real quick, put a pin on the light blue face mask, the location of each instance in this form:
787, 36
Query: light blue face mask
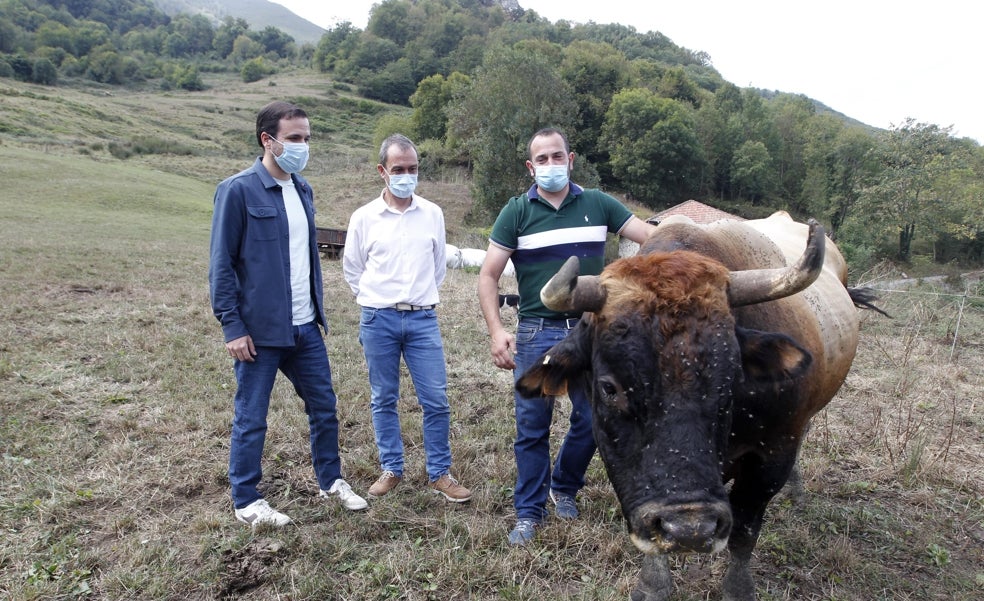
294, 157
551, 178
402, 185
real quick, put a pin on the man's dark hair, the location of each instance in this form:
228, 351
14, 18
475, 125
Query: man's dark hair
268, 119
400, 141
548, 131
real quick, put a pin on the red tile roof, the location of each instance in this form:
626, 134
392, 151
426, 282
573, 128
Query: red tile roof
698, 211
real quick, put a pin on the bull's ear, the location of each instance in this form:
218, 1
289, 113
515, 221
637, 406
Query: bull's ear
771, 357
565, 361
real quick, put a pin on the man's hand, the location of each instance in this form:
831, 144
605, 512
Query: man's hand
503, 348
241, 348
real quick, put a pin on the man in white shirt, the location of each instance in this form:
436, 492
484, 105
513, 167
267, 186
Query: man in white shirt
394, 261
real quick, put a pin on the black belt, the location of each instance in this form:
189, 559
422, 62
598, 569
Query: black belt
563, 324
409, 307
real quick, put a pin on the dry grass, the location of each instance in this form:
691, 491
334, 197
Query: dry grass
115, 402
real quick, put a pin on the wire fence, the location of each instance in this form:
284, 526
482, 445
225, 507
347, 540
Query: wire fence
944, 310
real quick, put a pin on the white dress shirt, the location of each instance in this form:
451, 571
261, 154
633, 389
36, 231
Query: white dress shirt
392, 257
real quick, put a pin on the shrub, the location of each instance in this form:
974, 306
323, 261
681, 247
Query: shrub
256, 69
44, 72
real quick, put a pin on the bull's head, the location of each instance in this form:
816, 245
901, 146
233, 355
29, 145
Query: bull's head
665, 359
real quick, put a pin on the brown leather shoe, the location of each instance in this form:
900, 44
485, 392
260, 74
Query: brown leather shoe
386, 482
452, 491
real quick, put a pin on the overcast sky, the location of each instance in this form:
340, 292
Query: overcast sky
877, 61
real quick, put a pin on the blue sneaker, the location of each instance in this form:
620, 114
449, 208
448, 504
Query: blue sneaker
524, 531
566, 507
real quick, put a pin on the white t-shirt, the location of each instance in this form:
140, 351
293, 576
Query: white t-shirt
300, 257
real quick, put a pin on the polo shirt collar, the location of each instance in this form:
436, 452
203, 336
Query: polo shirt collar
575, 190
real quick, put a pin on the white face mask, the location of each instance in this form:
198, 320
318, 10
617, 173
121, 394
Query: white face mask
294, 157
402, 185
551, 178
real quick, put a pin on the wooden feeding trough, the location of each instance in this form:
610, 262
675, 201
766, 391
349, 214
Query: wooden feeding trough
331, 242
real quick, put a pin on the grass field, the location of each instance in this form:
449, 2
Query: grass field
115, 402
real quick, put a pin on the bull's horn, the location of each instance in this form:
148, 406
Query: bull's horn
566, 291
761, 285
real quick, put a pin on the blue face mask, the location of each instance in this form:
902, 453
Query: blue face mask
294, 157
552, 178
402, 185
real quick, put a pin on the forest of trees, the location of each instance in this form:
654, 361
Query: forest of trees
646, 118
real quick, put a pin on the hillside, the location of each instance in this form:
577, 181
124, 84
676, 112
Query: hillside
208, 136
258, 13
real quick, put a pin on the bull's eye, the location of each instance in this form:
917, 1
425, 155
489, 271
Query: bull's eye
612, 394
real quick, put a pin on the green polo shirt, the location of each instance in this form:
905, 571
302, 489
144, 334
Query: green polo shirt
541, 238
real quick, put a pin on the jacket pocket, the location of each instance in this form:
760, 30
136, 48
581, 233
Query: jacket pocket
262, 223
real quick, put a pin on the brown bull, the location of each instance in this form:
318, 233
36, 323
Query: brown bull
706, 354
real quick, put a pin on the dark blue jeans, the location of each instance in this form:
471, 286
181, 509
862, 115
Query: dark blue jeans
533, 418
306, 366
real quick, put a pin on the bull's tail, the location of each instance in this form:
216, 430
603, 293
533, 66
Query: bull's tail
864, 298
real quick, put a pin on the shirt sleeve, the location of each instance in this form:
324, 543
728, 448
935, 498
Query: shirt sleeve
353, 256
618, 214
440, 253
505, 232
226, 238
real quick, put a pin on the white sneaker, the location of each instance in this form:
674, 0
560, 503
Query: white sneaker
259, 512
346, 497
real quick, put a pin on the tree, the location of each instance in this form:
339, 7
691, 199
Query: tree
515, 93
224, 39
430, 103
792, 116
276, 41
255, 69
197, 31
752, 171
595, 71
653, 145
176, 45
245, 48
915, 157
105, 65
393, 85
676, 85
839, 165
336, 44
44, 72
718, 131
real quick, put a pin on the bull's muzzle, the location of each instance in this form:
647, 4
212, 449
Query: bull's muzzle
681, 528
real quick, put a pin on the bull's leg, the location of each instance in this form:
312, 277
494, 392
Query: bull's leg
655, 582
753, 488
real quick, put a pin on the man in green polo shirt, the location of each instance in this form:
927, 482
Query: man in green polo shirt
539, 230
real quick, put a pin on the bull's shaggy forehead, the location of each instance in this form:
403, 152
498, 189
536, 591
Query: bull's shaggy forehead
674, 282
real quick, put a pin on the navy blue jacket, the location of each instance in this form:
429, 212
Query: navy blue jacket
249, 258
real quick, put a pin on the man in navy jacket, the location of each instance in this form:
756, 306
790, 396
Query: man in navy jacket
266, 291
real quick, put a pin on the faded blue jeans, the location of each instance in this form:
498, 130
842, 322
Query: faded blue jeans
386, 335
306, 366
534, 480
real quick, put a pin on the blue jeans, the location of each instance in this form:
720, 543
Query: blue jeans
386, 335
306, 366
533, 417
